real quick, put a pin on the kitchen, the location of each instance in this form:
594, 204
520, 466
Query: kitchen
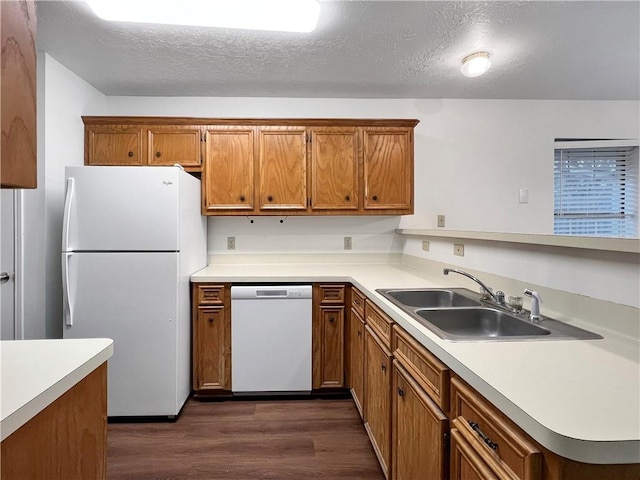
450, 146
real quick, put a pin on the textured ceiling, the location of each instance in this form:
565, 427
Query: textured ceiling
364, 49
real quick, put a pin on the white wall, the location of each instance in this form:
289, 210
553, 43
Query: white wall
62, 98
471, 158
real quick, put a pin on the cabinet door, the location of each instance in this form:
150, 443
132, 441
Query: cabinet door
228, 171
388, 169
356, 360
329, 369
334, 169
171, 145
283, 168
377, 405
18, 94
212, 349
114, 146
465, 462
419, 429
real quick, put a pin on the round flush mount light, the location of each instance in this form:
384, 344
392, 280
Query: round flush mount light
475, 64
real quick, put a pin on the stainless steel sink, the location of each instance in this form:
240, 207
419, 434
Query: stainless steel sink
459, 314
431, 298
479, 323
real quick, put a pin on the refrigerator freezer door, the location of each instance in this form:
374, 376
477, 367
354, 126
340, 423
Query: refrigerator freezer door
133, 299
121, 209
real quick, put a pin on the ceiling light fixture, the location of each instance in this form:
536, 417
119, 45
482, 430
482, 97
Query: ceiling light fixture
475, 64
272, 15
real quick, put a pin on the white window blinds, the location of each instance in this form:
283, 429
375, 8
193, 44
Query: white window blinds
596, 189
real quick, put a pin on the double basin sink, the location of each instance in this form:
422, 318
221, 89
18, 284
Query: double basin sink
458, 314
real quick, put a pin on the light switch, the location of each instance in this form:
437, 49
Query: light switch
524, 195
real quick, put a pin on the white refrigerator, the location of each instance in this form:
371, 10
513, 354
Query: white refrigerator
131, 238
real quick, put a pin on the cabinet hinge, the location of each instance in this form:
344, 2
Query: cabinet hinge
445, 441
308, 138
309, 202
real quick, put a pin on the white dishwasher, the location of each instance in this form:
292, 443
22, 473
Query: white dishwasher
271, 339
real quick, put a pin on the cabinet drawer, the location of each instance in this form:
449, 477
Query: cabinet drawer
357, 301
431, 373
210, 294
331, 294
379, 322
496, 440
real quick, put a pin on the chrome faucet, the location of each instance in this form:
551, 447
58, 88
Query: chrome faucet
498, 297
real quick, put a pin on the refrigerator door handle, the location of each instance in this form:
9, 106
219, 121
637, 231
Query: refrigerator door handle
68, 201
67, 308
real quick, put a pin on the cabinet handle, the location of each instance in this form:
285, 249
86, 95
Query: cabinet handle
270, 198
359, 333
347, 198
400, 392
383, 367
485, 439
242, 198
130, 154
211, 320
158, 154
374, 198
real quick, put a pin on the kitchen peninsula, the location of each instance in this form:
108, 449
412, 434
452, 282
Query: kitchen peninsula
577, 402
54, 408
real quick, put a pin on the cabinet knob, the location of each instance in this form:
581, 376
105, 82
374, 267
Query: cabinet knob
130, 154
270, 198
332, 319
400, 392
347, 198
383, 367
242, 198
359, 333
374, 198
158, 154
211, 320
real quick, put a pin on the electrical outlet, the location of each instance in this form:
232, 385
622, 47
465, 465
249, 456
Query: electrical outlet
425, 245
347, 243
440, 221
458, 249
231, 243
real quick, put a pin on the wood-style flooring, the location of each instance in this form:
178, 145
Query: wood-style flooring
247, 439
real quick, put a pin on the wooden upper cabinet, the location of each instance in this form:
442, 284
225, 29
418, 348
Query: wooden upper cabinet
258, 166
228, 180
113, 145
171, 145
388, 169
334, 168
283, 168
18, 94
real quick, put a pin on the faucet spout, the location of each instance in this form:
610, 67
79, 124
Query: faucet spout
446, 271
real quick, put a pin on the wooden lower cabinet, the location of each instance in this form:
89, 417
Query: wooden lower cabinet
356, 360
419, 431
211, 339
465, 462
377, 407
66, 440
328, 336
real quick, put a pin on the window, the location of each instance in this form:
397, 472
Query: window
596, 188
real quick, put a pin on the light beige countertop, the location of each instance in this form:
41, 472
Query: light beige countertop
580, 399
34, 373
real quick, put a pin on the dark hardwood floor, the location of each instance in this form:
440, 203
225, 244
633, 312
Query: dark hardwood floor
247, 439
